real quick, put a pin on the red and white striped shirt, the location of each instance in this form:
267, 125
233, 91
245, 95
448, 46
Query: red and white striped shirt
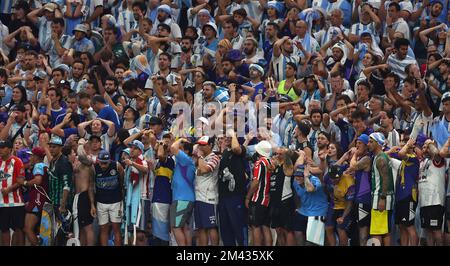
262, 174
10, 170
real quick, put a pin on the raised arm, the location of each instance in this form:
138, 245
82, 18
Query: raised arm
111, 127
82, 128
277, 46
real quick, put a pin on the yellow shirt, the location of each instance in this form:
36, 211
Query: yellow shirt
290, 92
341, 191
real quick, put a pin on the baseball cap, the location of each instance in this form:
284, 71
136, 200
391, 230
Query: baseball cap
154, 120
6, 143
55, 140
364, 138
24, 155
203, 140
38, 151
50, 7
104, 157
138, 144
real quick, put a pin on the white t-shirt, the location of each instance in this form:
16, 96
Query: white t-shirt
431, 183
206, 186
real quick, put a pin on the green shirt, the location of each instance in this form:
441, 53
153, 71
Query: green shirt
60, 174
377, 182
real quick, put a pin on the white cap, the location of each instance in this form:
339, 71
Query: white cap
264, 148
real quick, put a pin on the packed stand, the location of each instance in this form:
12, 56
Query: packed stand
219, 122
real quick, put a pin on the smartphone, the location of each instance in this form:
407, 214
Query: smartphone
2, 91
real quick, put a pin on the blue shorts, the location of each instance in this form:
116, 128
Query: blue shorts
205, 215
333, 215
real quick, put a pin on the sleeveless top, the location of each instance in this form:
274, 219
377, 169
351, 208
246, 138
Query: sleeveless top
377, 183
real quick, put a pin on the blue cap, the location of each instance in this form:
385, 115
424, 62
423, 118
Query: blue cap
104, 156
55, 140
24, 155
137, 143
420, 140
300, 170
364, 138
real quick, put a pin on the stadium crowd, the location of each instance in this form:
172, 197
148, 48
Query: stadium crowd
225, 122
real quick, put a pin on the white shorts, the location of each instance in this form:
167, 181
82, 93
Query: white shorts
109, 213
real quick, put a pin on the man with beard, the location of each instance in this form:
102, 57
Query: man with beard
323, 140
230, 74
252, 55
315, 116
188, 60
382, 190
433, 12
15, 124
271, 35
398, 61
341, 55
325, 35
58, 43
304, 37
112, 96
164, 17
158, 44
282, 54
164, 63
369, 22
255, 86
387, 127
28, 69
139, 12
78, 83
210, 103
42, 17
432, 193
